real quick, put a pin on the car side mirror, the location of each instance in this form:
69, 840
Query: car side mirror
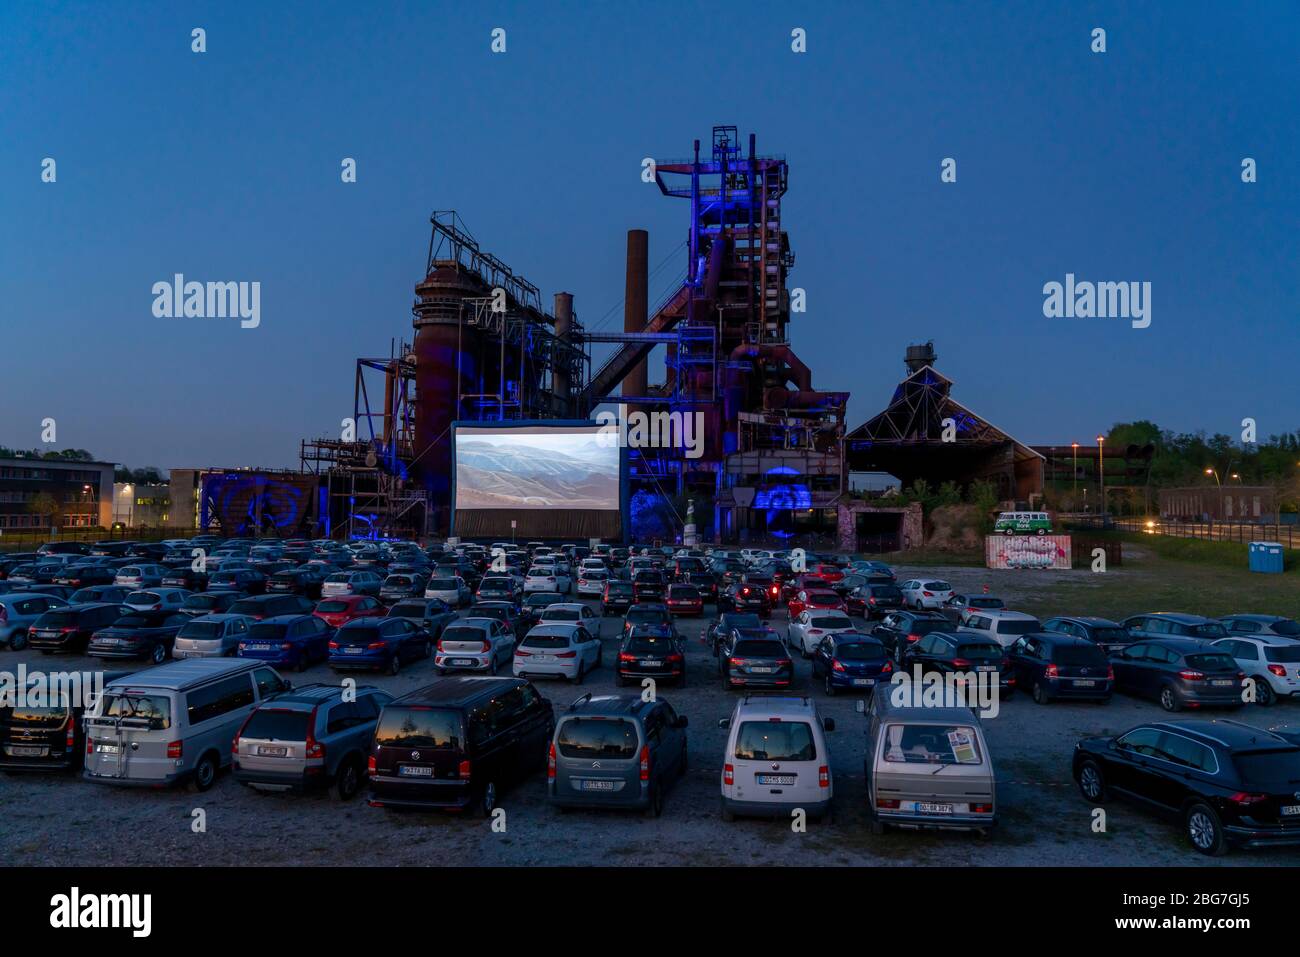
724, 723
828, 724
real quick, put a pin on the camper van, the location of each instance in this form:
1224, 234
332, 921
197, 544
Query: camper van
926, 767
175, 722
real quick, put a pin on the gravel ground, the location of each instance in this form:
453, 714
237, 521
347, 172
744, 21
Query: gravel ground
1043, 819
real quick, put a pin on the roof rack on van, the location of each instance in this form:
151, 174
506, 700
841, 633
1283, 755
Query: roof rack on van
580, 700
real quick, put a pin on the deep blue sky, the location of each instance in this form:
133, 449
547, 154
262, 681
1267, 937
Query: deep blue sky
225, 166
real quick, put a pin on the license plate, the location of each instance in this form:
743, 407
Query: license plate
110, 641
269, 752
1223, 682
597, 785
651, 663
22, 751
542, 658
864, 681
1085, 683
463, 662
925, 808
258, 647
353, 651
108, 749
414, 771
987, 668
1289, 810
777, 779
761, 671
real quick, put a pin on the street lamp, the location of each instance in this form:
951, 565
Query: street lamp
1075, 447
1215, 473
1101, 472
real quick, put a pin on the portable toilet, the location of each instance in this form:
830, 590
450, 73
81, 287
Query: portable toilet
1266, 557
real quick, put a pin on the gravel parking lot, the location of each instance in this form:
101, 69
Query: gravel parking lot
1043, 819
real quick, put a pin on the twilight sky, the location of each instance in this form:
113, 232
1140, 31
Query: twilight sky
1122, 166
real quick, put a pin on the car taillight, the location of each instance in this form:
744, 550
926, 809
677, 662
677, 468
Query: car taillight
1110, 673
837, 665
960, 663
564, 654
376, 646
1279, 670
913, 637
463, 770
334, 646
824, 776
814, 631
871, 601
71, 738
981, 808
550, 762
371, 766
1241, 797
928, 594
174, 749
1189, 675
624, 656
645, 762
1052, 671
889, 804
887, 667
286, 646
728, 774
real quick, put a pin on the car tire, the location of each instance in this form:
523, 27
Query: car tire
427, 653
656, 806
395, 665
18, 640
877, 826
441, 672
159, 653
492, 666
349, 779
830, 687
582, 673
1264, 696
487, 800
1204, 829
303, 662
1040, 695
205, 772
1092, 782
1169, 699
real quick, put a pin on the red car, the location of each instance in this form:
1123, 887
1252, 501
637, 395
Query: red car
684, 600
820, 598
828, 573
798, 583
337, 612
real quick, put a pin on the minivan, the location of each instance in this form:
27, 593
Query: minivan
616, 751
926, 768
48, 735
457, 743
776, 760
175, 722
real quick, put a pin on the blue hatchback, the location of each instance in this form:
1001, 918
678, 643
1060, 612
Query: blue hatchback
379, 643
289, 641
851, 661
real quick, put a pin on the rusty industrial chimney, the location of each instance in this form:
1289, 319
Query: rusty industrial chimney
636, 303
560, 384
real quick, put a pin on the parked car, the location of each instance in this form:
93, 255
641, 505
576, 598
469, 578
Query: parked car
754, 658
873, 601
337, 612
739, 596
449, 588
430, 614
617, 597
139, 634
925, 593
1256, 626
499, 588
814, 599
849, 661
807, 629
927, 768
1271, 662
211, 636
140, 576
727, 622
776, 759
649, 613
157, 599
44, 730
457, 743
568, 613
174, 723
305, 580
961, 654
616, 751
1004, 627
109, 593
208, 603
81, 576
69, 628
341, 584
651, 651
649, 585
706, 583
311, 738
1110, 635
548, 576
1164, 624
535, 604
506, 612
475, 644
1053, 665
1225, 782
287, 641
898, 629
959, 606
563, 651
1179, 673
19, 611
378, 644
684, 600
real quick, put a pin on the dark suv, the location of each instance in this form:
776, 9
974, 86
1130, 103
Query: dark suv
651, 651
616, 751
1224, 781
1110, 635
1179, 673
754, 658
902, 628
618, 597
47, 735
458, 742
1052, 666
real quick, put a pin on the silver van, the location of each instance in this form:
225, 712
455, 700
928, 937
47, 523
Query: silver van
927, 768
776, 759
174, 722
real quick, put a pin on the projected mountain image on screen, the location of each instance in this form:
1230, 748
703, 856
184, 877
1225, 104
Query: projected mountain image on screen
535, 468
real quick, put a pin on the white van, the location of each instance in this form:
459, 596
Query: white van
174, 722
776, 759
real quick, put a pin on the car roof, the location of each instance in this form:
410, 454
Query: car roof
457, 689
564, 628
1181, 617
568, 605
1060, 638
1088, 620
282, 619
618, 704
800, 705
309, 696
183, 674
1236, 735
1185, 645
218, 616
1264, 619
885, 707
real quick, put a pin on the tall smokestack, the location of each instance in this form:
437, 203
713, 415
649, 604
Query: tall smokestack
636, 303
563, 323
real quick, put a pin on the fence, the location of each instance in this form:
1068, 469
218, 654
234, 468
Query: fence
1287, 535
28, 539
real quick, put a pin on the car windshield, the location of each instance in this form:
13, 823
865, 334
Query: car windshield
1084, 655
886, 591
775, 741
27, 716
397, 581
743, 620
1287, 627
981, 602
562, 614
1110, 634
462, 633
58, 619
540, 599
620, 588
1017, 626
200, 630
442, 584
414, 727
332, 606
980, 651
759, 649
937, 586
650, 645
683, 591
931, 744
646, 616
859, 651
830, 622
1214, 661
1273, 770
339, 577
597, 737
546, 641
143, 598
497, 583
156, 709
265, 630
1289, 654
274, 725
406, 610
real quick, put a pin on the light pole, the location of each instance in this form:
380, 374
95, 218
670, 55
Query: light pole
1215, 473
1101, 473
1075, 492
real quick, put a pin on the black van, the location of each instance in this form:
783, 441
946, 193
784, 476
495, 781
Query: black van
49, 735
458, 742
